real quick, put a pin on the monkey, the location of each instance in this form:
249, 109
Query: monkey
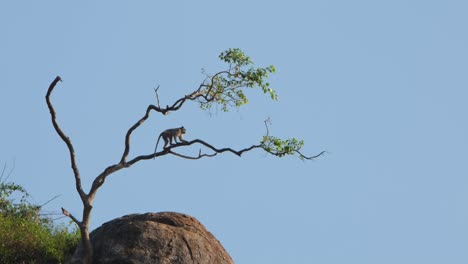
169, 134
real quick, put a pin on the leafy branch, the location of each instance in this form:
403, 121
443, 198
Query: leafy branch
225, 87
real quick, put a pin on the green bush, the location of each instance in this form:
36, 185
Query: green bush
25, 236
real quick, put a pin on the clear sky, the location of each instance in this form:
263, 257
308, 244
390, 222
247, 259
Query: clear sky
381, 85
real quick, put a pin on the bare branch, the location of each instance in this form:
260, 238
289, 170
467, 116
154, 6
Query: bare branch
111, 169
58, 218
152, 156
312, 157
237, 152
66, 213
101, 178
66, 140
50, 200
200, 155
192, 96
175, 106
168, 150
157, 96
135, 126
3, 171
267, 121
8, 174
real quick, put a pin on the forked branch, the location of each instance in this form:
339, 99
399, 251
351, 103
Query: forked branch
176, 106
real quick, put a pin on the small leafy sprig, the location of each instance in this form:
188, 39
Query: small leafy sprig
280, 148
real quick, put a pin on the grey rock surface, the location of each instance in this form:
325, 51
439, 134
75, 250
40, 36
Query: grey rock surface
157, 238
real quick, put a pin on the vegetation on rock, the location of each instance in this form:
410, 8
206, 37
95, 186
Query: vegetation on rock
28, 237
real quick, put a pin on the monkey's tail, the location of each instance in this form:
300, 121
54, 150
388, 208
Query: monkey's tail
157, 142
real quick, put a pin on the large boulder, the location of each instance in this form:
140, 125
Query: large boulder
157, 238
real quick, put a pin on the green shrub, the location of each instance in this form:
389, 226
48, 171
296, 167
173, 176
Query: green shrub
25, 236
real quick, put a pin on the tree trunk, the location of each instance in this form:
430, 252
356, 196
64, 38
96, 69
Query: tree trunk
84, 252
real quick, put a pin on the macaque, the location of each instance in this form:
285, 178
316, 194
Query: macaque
169, 134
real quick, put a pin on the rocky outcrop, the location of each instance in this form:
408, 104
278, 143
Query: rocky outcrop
158, 238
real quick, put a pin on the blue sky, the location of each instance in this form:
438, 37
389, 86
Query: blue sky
380, 85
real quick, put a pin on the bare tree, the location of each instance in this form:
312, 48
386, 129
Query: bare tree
224, 88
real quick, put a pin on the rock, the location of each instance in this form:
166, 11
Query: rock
157, 238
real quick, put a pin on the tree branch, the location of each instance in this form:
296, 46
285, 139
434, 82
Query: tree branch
168, 150
200, 155
101, 178
176, 106
66, 140
312, 157
157, 96
135, 126
237, 152
66, 213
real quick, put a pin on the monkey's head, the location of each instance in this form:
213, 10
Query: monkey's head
182, 129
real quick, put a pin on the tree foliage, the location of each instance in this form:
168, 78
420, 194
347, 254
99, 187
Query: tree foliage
280, 148
19, 209
225, 88
26, 236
